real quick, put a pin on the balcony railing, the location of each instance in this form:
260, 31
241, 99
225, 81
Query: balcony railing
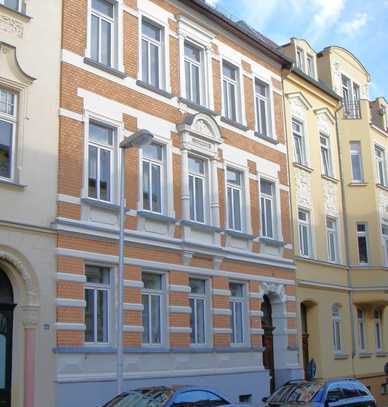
352, 110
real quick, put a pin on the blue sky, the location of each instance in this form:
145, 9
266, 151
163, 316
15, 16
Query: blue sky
361, 26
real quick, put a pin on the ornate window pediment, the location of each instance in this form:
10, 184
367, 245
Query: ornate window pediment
299, 103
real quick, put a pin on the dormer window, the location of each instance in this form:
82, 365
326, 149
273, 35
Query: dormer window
310, 66
300, 59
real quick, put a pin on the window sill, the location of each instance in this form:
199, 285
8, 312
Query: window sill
238, 234
12, 184
357, 184
381, 354
272, 242
383, 187
156, 216
154, 89
302, 167
107, 69
100, 204
19, 14
266, 138
364, 355
329, 178
201, 226
341, 356
199, 108
234, 123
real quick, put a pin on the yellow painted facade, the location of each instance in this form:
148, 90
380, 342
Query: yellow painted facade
339, 206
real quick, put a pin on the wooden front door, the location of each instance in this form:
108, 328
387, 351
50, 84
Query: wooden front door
268, 354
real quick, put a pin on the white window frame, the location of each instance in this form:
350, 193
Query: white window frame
201, 68
302, 136
113, 159
378, 324
273, 199
161, 164
13, 120
332, 233
337, 328
19, 7
268, 100
310, 66
108, 289
381, 172
305, 224
244, 315
205, 187
237, 91
358, 153
362, 338
230, 205
363, 234
206, 306
384, 225
300, 59
326, 148
161, 293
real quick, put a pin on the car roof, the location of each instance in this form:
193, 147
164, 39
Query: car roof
324, 381
178, 387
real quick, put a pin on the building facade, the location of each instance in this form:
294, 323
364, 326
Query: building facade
209, 270
28, 199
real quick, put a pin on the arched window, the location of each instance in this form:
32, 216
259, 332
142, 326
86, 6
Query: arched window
6, 293
337, 336
361, 329
378, 321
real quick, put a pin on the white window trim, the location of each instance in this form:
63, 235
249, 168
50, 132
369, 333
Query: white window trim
275, 209
384, 239
384, 159
361, 234
164, 315
302, 122
379, 322
329, 153
19, 8
271, 106
245, 317
164, 71
337, 318
336, 237
310, 57
303, 59
362, 180
361, 323
311, 237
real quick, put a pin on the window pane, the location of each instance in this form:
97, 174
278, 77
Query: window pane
100, 134
105, 175
192, 321
145, 61
146, 314
200, 321
192, 52
103, 7
192, 197
146, 186
95, 38
229, 71
239, 322
3, 361
230, 207
5, 149
151, 31
155, 318
197, 286
102, 316
196, 166
89, 315
269, 217
261, 88
188, 80
266, 187
156, 189
233, 177
263, 117
362, 249
199, 204
14, 4
356, 168
226, 99
232, 101
106, 41
97, 274
236, 289
152, 281
93, 172
153, 151
154, 59
195, 84
237, 209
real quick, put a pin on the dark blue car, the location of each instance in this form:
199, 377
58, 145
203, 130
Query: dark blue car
171, 396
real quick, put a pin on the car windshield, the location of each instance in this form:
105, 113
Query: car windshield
142, 398
296, 392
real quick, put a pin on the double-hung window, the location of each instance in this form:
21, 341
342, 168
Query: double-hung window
197, 188
8, 121
337, 335
263, 111
198, 305
384, 233
97, 297
380, 165
362, 238
300, 59
332, 239
361, 329
193, 72
267, 206
327, 168
14, 4
100, 157
378, 322
356, 161
299, 142
234, 187
152, 295
310, 66
152, 177
304, 228
230, 85
347, 93
102, 32
237, 317
151, 49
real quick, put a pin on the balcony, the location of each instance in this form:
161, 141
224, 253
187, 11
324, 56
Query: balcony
352, 110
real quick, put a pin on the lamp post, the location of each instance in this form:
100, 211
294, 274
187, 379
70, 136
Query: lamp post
139, 139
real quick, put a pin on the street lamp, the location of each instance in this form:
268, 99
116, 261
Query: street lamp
139, 139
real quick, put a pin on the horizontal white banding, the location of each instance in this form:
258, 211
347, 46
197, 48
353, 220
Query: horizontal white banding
258, 296
257, 331
222, 330
133, 328
291, 331
254, 313
291, 298
178, 309
133, 307
133, 283
180, 288
70, 302
179, 329
77, 278
69, 326
222, 311
225, 293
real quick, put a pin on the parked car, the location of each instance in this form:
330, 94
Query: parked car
316, 393
171, 396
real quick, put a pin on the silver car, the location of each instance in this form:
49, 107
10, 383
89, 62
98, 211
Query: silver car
325, 393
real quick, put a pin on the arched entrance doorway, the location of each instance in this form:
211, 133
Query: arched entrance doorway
267, 326
6, 324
